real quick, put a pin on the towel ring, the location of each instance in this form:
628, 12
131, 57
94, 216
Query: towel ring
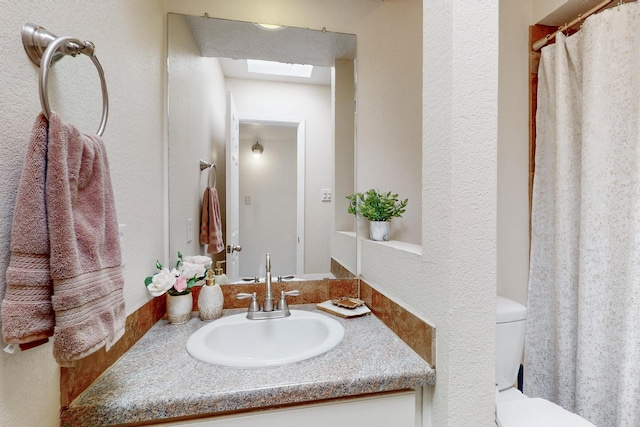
215, 175
71, 46
206, 165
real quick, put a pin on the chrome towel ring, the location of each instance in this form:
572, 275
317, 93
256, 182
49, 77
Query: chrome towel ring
43, 48
206, 165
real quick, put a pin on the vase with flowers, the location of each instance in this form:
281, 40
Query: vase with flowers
177, 283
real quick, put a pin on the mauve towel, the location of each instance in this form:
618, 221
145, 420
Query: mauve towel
27, 314
84, 246
210, 222
84, 251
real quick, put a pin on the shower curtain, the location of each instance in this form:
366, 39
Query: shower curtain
582, 347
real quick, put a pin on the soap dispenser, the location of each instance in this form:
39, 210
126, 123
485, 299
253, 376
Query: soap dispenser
219, 275
210, 300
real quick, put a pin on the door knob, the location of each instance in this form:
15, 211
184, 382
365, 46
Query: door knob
231, 249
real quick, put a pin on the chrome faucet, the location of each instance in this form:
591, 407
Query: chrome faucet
268, 298
268, 311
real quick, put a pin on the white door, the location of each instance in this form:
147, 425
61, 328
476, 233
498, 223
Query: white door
233, 189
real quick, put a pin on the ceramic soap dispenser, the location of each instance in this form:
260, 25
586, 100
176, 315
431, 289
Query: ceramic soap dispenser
210, 300
219, 275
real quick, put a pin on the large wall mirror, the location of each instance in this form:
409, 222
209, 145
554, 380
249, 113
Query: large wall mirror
272, 109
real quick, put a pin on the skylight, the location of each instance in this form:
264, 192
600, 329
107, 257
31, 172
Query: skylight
278, 68
270, 27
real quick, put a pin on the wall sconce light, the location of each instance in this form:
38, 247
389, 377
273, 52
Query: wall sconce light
257, 149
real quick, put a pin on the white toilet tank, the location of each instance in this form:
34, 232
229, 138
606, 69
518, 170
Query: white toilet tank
510, 328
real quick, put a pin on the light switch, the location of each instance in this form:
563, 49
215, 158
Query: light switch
189, 230
325, 195
247, 200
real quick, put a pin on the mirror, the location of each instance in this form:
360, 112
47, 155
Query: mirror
290, 199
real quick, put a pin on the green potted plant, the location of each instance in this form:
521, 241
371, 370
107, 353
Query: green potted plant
379, 208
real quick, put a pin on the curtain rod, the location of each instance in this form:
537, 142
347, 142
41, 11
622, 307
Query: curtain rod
539, 44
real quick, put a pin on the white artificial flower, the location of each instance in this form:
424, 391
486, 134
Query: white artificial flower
191, 270
203, 260
161, 282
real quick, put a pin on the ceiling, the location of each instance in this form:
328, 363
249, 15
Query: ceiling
236, 41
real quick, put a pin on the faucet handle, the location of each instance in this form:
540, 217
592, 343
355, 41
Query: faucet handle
243, 295
282, 304
254, 305
293, 293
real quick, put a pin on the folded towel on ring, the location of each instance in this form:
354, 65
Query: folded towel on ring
85, 309
27, 313
210, 222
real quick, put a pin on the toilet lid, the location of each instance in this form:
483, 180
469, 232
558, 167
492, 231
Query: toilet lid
536, 412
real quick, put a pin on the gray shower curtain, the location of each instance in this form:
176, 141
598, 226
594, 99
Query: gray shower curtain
582, 347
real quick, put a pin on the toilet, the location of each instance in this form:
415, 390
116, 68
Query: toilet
514, 409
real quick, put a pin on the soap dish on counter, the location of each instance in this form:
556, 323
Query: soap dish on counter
330, 307
348, 302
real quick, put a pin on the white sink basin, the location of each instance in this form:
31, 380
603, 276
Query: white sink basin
238, 342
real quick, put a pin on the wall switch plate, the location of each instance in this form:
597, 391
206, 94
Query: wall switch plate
189, 230
121, 231
325, 195
247, 200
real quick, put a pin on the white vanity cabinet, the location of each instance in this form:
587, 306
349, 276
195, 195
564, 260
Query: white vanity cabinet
397, 409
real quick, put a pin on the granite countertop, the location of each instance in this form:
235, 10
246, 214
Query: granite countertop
157, 380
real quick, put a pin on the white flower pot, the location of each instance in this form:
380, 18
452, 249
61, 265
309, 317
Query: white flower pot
379, 230
179, 308
210, 302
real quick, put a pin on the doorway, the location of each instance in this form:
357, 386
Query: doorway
271, 204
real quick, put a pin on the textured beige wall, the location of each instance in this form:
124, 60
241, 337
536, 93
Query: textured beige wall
128, 37
458, 285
